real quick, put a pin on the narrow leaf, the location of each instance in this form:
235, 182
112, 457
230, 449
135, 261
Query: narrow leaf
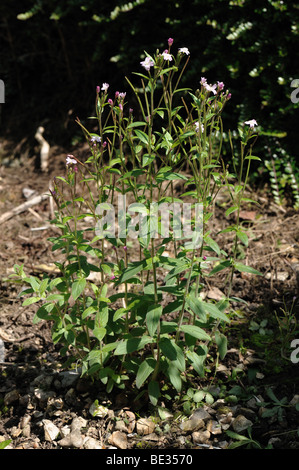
144, 370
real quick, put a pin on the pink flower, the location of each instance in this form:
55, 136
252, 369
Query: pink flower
167, 56
147, 63
184, 50
203, 81
211, 88
110, 102
70, 160
220, 86
252, 123
122, 95
170, 41
98, 89
112, 277
105, 87
197, 127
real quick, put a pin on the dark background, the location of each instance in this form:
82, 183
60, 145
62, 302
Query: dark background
54, 53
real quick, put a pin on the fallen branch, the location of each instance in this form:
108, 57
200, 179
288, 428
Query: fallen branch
23, 207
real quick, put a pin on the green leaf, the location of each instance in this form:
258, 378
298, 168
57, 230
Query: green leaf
174, 376
196, 332
99, 333
220, 267
88, 311
30, 301
212, 244
243, 268
137, 124
143, 137
197, 359
173, 352
214, 312
153, 392
231, 210
153, 316
133, 268
78, 287
198, 396
43, 313
221, 341
102, 315
130, 345
243, 237
196, 306
4, 444
144, 371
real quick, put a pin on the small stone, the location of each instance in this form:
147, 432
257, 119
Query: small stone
241, 423
24, 400
78, 423
151, 437
91, 443
65, 431
43, 381
98, 411
196, 421
294, 400
68, 378
25, 421
11, 397
214, 427
15, 432
118, 439
120, 425
181, 441
71, 397
55, 403
192, 425
248, 413
145, 426
74, 439
226, 421
201, 413
201, 437
127, 423
275, 442
26, 431
43, 396
51, 431
252, 403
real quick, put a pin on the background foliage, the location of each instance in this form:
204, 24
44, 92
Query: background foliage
53, 54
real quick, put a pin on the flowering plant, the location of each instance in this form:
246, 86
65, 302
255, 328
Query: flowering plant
130, 307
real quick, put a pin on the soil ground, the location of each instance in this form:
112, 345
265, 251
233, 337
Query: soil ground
259, 352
